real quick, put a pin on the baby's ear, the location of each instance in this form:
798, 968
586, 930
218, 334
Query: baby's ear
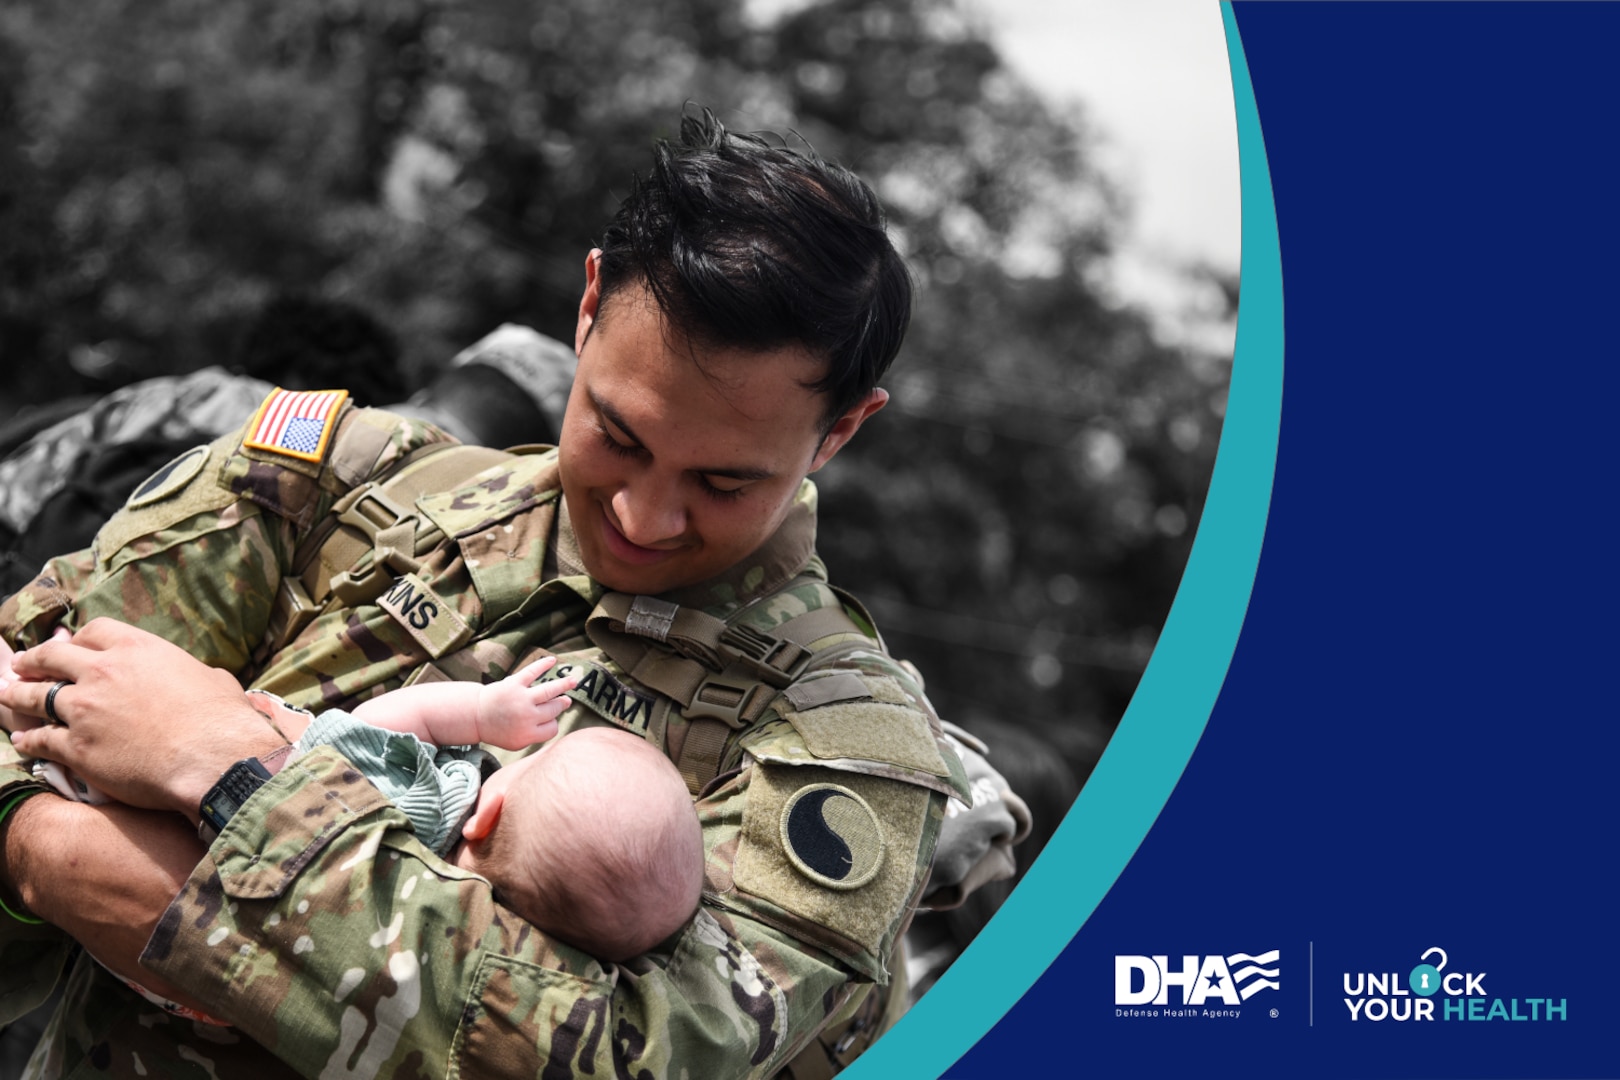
484, 816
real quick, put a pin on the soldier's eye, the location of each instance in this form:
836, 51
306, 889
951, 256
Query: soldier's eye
614, 446
717, 491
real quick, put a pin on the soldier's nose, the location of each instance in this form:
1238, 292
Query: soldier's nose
649, 515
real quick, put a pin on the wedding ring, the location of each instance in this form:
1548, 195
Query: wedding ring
50, 701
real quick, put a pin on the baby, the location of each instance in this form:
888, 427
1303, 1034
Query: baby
592, 838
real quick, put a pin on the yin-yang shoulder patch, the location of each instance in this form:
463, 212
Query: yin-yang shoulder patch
832, 837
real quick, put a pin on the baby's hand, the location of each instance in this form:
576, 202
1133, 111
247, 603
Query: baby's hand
517, 712
6, 676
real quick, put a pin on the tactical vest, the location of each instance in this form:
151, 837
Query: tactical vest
720, 674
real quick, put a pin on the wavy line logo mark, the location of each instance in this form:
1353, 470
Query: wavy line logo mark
1253, 977
1232, 980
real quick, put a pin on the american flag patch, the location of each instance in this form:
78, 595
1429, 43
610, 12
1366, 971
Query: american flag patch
295, 423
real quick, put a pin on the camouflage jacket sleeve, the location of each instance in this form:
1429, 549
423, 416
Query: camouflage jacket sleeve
196, 559
336, 940
32, 955
198, 551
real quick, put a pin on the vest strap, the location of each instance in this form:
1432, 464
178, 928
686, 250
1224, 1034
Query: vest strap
379, 518
722, 674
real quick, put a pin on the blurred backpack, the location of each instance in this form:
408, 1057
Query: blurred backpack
59, 487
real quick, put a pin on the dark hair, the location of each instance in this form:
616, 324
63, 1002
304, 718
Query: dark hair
749, 245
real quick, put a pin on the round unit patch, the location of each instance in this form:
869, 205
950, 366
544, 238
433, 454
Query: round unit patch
169, 479
832, 837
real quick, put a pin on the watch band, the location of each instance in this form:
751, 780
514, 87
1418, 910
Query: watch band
234, 789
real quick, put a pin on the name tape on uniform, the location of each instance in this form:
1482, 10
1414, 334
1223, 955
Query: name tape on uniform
435, 625
602, 692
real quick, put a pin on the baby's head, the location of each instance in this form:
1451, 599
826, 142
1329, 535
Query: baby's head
595, 842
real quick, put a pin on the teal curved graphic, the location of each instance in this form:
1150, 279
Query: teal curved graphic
1172, 704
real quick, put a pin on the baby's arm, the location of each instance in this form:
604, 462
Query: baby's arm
6, 675
513, 714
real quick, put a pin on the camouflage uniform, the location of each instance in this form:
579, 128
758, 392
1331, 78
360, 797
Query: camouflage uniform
331, 936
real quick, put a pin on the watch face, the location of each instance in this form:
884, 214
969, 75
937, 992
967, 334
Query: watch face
234, 788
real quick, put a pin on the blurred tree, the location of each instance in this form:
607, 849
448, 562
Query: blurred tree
1020, 520
1019, 517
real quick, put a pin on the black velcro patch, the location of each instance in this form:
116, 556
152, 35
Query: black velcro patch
169, 479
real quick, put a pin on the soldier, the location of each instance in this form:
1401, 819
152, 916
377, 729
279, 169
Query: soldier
743, 305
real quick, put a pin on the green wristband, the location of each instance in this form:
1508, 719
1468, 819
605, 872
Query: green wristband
5, 812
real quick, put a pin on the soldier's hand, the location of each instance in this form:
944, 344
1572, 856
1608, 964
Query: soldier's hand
135, 716
516, 713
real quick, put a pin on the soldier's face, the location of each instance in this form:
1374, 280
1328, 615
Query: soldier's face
675, 472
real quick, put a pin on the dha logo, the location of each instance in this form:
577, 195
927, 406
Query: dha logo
1233, 979
1379, 996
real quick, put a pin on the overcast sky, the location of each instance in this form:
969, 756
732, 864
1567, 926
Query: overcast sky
1153, 74
1154, 79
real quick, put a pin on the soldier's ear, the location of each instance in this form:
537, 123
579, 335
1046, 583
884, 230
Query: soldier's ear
590, 301
484, 815
845, 427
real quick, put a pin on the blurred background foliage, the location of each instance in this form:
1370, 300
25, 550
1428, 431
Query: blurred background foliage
1017, 520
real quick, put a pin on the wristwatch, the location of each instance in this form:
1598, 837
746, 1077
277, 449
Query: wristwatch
234, 789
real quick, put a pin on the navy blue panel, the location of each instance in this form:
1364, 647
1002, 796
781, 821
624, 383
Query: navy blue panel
1416, 740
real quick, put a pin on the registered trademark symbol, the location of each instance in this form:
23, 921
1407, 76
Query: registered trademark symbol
1274, 1014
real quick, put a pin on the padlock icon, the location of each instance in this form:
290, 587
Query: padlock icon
1425, 978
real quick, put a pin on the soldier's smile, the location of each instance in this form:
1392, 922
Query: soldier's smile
678, 462
626, 550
